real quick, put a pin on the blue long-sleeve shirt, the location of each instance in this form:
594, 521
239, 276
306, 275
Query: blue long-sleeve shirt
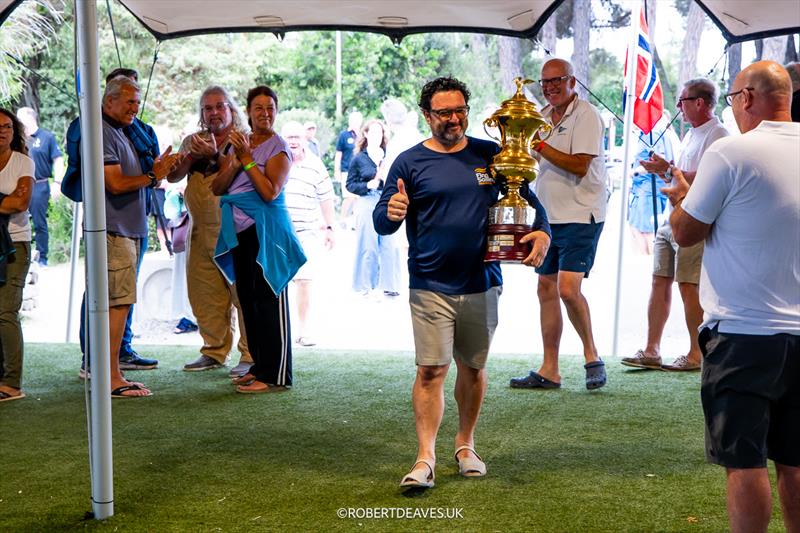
449, 199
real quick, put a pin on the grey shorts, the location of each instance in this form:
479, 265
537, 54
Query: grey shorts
447, 326
679, 262
123, 255
311, 241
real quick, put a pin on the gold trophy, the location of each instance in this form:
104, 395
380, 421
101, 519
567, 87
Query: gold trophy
512, 217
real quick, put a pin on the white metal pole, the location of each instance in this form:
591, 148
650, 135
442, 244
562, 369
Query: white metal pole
338, 74
626, 165
77, 218
97, 341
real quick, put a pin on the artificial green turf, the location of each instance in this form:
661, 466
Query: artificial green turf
198, 457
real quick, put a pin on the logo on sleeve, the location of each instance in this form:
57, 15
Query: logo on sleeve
483, 177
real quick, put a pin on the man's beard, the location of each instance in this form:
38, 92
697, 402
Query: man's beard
450, 138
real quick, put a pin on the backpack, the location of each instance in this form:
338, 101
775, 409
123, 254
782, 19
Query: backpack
71, 183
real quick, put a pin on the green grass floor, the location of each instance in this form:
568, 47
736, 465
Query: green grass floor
198, 457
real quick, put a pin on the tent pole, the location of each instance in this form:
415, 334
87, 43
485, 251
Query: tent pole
77, 217
96, 260
626, 167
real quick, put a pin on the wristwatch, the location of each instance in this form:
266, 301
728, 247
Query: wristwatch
153, 179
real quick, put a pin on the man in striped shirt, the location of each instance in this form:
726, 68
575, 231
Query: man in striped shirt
309, 194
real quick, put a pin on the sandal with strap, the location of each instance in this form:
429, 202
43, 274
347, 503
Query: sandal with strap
470, 466
418, 477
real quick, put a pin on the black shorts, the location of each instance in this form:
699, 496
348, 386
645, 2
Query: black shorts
751, 398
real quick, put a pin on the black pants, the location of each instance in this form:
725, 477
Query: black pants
40, 199
266, 316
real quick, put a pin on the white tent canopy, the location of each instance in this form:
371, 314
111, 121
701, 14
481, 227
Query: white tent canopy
738, 20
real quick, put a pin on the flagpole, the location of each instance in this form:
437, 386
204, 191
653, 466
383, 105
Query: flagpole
626, 164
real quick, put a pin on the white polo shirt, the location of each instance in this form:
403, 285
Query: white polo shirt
567, 198
748, 187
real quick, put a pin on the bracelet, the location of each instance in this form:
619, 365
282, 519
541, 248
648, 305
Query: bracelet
329, 228
539, 146
249, 165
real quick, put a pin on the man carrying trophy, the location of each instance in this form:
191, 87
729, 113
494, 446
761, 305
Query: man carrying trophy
571, 186
443, 189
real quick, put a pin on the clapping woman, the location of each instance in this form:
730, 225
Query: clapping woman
257, 246
16, 186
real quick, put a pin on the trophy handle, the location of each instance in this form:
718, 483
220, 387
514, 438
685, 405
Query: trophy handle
492, 123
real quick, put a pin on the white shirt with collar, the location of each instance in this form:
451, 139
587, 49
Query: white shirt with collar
566, 197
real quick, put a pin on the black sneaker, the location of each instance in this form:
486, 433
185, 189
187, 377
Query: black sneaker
132, 361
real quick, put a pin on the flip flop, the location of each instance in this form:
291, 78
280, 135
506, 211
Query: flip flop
269, 388
119, 392
418, 478
6, 397
595, 374
470, 466
245, 379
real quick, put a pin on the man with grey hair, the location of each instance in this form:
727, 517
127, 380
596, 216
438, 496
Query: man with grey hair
126, 218
671, 262
309, 199
211, 297
49, 162
793, 69
745, 204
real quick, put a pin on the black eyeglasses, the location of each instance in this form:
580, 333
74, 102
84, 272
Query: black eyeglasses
729, 97
445, 114
688, 98
554, 81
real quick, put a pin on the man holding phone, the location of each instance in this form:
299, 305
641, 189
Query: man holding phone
670, 261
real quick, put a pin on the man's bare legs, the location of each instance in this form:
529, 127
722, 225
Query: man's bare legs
427, 397
693, 314
789, 493
658, 308
749, 499
117, 315
552, 290
469, 392
303, 297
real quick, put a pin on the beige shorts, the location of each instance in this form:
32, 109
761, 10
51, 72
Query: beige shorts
345, 192
313, 248
447, 326
679, 262
123, 254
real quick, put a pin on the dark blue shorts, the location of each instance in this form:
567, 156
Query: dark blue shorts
572, 248
751, 398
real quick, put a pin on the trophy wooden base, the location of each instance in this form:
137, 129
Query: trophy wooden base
504, 245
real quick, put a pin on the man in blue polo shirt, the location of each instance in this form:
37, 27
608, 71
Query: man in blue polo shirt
43, 149
442, 190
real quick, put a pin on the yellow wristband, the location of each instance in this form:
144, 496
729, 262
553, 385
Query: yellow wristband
249, 165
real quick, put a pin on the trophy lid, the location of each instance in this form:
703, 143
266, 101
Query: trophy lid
518, 106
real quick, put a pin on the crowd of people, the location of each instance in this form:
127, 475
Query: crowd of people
261, 211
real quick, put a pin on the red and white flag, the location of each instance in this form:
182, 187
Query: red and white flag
649, 103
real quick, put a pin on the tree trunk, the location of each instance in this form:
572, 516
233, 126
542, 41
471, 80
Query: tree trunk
510, 62
691, 42
650, 16
734, 63
581, 23
759, 48
30, 91
774, 49
548, 35
791, 51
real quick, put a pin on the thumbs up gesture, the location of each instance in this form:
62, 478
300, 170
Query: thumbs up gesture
398, 203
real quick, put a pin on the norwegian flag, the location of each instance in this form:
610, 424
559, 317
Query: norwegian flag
649, 103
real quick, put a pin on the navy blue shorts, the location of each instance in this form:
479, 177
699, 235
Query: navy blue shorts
572, 248
751, 398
